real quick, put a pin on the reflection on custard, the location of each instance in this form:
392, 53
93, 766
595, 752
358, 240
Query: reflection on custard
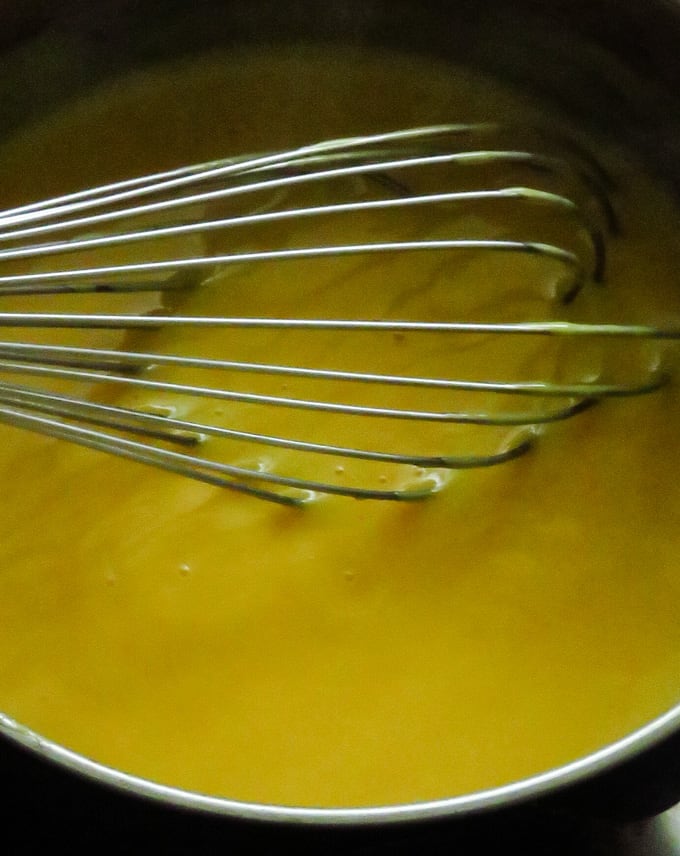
350, 653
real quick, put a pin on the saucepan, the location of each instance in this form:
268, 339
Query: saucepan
615, 64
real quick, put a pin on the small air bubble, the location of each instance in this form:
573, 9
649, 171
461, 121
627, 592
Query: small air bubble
184, 569
339, 469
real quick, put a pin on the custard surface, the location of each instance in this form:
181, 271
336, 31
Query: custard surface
349, 653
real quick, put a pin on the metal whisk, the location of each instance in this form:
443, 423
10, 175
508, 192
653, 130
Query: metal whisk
564, 183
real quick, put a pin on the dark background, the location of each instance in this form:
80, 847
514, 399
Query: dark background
44, 806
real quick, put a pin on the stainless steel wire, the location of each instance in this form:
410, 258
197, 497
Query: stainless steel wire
135, 212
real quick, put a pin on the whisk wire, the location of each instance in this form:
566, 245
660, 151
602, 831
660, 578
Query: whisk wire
389, 163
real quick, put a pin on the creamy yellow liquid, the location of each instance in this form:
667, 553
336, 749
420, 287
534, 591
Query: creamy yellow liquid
349, 653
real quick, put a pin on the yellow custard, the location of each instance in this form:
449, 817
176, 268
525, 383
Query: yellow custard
348, 653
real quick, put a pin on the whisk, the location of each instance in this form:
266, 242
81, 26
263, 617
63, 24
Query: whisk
181, 203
